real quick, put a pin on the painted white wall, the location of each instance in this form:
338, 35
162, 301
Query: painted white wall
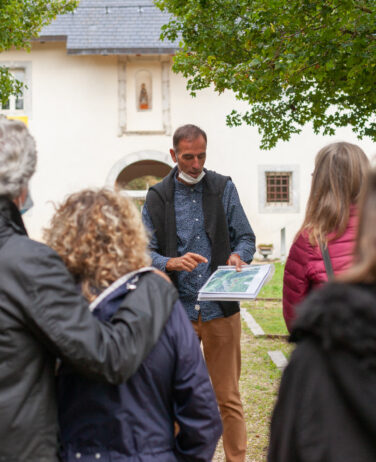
75, 120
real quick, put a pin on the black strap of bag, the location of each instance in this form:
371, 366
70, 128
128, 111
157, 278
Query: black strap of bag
327, 262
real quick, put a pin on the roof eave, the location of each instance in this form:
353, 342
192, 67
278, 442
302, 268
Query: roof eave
50, 38
121, 51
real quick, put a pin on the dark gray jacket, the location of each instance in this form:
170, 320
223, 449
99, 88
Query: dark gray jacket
43, 317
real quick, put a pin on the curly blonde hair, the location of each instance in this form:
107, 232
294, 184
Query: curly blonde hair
100, 237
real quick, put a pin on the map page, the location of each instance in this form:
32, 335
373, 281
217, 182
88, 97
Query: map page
228, 284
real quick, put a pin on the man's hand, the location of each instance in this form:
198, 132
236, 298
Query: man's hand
235, 260
187, 262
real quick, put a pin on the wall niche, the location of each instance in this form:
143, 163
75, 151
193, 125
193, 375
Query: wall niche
144, 86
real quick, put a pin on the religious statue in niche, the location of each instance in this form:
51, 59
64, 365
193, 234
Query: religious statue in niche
143, 101
144, 90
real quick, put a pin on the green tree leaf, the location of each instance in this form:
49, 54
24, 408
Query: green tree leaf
293, 61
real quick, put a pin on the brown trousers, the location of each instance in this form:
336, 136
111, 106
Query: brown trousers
221, 343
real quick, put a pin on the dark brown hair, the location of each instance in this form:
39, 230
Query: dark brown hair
187, 132
337, 181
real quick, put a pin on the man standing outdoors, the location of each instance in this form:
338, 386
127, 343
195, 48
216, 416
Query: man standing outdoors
198, 223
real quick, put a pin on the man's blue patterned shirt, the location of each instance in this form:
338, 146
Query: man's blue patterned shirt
192, 237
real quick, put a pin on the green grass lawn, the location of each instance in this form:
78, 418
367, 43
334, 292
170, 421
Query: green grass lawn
269, 316
259, 385
269, 313
273, 289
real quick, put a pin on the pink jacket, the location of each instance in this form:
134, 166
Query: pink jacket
305, 267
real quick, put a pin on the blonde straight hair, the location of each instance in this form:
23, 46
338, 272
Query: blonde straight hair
337, 181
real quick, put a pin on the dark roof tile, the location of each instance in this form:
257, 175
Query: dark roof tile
113, 27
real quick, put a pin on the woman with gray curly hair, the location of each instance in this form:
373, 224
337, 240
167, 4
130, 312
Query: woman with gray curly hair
42, 317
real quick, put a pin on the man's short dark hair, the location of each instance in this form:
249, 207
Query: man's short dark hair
187, 132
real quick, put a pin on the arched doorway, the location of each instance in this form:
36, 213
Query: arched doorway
136, 172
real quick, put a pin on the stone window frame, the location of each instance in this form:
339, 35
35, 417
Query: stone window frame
279, 207
27, 107
165, 62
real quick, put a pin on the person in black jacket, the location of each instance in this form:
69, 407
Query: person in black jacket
43, 317
325, 410
100, 237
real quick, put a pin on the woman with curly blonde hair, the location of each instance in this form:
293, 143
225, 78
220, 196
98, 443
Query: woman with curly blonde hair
101, 239
99, 236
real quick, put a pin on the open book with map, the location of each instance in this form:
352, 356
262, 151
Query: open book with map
228, 284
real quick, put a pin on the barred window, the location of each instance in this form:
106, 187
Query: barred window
278, 185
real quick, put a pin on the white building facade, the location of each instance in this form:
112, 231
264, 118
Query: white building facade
106, 110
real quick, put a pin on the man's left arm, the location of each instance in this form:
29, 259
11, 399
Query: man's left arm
242, 237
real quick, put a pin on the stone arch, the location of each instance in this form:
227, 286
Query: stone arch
138, 164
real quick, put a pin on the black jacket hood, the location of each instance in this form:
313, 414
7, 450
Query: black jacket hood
340, 316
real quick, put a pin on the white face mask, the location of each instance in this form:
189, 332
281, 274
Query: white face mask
189, 179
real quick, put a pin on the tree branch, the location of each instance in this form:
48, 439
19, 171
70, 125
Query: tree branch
363, 8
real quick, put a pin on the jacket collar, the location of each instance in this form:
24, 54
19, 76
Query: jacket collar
123, 283
10, 216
